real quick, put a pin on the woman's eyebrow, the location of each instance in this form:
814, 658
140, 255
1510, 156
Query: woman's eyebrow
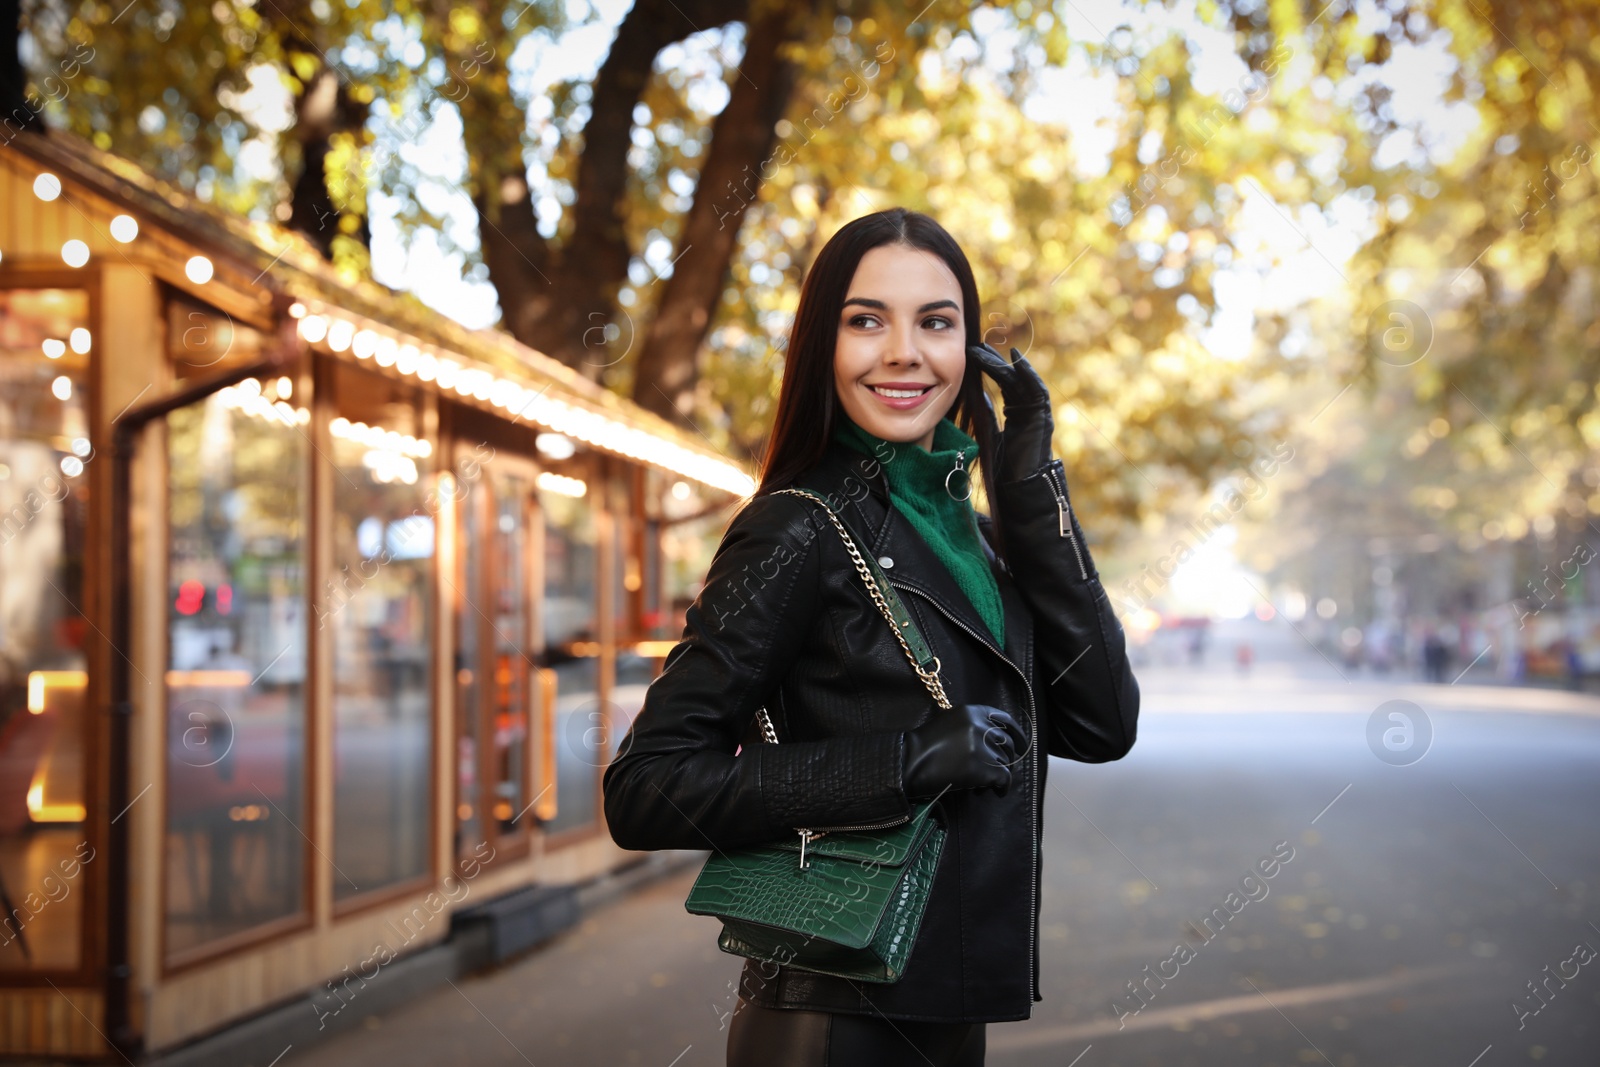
867, 301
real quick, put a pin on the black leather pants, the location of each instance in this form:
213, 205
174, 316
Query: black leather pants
781, 1037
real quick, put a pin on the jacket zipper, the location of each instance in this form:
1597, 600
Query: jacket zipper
808, 834
1033, 728
1064, 519
818, 831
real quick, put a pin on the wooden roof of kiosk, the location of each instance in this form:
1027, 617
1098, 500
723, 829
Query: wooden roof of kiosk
258, 265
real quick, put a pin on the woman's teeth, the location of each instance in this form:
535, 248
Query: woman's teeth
898, 393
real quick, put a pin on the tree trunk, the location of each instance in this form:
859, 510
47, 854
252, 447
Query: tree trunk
742, 136
559, 299
319, 200
518, 258
16, 112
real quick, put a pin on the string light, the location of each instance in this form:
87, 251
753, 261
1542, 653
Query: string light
573, 421
555, 445
449, 369
246, 398
560, 483
388, 466
340, 333
376, 437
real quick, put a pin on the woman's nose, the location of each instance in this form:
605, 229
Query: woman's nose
902, 348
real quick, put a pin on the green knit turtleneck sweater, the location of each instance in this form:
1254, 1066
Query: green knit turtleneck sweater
949, 526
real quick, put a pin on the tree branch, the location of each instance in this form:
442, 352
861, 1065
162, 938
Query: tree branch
742, 137
555, 313
15, 108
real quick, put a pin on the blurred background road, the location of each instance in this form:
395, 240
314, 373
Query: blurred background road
1420, 902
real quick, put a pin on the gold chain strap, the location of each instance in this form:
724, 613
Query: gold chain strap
767, 732
930, 678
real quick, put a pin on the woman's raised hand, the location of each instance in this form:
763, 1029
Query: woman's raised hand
1025, 440
969, 746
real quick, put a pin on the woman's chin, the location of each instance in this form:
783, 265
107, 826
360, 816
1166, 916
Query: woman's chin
897, 434
895, 427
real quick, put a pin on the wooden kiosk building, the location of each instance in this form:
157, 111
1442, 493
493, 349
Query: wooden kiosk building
320, 615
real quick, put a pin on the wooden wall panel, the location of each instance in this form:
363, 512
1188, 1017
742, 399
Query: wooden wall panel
48, 1021
130, 342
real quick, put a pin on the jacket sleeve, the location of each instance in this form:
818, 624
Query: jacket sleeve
1088, 692
677, 782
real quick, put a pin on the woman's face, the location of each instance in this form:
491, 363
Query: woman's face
901, 351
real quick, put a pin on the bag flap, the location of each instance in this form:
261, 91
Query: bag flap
834, 899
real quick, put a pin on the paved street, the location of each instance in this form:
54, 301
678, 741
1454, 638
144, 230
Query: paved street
1421, 906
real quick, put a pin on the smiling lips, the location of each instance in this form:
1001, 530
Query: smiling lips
901, 395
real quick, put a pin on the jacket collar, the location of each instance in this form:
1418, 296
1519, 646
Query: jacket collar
857, 488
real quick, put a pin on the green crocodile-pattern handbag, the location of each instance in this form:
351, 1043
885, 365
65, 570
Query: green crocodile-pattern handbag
846, 900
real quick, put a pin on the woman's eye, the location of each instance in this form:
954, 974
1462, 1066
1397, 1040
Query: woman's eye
937, 322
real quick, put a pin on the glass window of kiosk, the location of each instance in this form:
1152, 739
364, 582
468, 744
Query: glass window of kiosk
472, 518
571, 639
44, 454
235, 849
692, 523
378, 608
634, 670
496, 675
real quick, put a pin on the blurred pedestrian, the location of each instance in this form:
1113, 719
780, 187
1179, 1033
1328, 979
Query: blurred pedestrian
882, 412
1435, 656
1350, 647
1573, 663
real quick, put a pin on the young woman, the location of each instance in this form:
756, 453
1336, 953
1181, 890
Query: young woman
883, 412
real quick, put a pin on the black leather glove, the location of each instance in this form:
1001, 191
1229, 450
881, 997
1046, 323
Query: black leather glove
969, 746
1025, 441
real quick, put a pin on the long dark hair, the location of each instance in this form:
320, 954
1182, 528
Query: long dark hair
807, 402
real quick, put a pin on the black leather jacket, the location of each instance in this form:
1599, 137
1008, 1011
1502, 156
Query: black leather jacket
785, 621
